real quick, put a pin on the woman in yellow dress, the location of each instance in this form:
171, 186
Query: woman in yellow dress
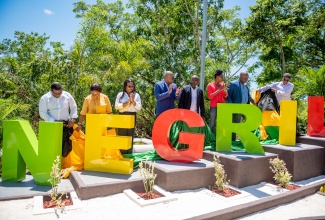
98, 103
95, 103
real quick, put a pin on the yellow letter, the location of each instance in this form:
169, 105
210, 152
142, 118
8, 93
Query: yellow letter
288, 114
97, 138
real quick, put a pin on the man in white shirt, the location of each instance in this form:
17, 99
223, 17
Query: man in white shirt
282, 89
58, 105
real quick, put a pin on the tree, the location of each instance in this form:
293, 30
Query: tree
312, 48
107, 51
229, 38
174, 28
273, 25
27, 69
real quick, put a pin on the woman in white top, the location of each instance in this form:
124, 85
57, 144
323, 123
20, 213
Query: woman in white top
128, 102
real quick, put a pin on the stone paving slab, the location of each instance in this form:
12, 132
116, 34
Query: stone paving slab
28, 188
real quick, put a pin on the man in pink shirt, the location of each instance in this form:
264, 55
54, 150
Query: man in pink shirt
217, 93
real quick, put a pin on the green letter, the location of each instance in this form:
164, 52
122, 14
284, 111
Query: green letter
225, 127
20, 147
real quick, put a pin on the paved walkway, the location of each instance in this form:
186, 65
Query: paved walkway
190, 203
311, 207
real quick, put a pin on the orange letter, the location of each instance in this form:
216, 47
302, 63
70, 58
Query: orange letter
161, 141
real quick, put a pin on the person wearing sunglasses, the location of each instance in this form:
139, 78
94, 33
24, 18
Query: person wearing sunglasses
128, 102
59, 105
282, 89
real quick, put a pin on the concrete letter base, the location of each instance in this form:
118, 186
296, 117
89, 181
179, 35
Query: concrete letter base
303, 161
174, 176
244, 169
318, 141
89, 184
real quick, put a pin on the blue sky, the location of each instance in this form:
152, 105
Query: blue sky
56, 19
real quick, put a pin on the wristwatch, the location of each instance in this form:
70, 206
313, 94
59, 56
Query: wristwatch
72, 119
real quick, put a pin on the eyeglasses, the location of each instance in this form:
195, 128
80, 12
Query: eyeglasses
130, 86
286, 80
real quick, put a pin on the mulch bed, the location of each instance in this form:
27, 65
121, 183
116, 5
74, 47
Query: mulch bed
154, 195
227, 192
288, 187
49, 203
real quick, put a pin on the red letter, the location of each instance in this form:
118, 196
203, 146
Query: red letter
315, 124
161, 141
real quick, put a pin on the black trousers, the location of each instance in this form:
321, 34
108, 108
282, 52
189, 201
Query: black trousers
127, 132
66, 142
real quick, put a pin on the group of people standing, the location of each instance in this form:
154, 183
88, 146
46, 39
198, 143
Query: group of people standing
191, 97
59, 105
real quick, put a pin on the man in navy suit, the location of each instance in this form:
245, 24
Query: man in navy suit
166, 92
238, 92
191, 97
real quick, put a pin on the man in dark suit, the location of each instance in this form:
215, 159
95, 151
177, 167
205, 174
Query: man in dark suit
166, 92
191, 97
238, 92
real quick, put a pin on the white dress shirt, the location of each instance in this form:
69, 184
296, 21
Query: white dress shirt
54, 109
130, 108
283, 92
194, 99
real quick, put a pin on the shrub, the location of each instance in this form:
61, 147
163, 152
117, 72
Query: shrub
220, 174
148, 177
281, 174
56, 175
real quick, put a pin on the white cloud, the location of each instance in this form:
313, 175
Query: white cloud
48, 12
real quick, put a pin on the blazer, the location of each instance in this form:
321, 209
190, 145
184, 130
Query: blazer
186, 100
234, 93
165, 101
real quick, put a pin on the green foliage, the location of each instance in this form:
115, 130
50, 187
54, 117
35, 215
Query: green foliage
313, 36
310, 82
148, 177
302, 116
220, 174
281, 174
289, 34
275, 26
